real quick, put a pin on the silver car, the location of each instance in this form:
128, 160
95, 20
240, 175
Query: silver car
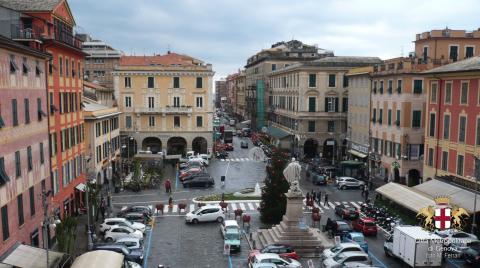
342, 259
348, 182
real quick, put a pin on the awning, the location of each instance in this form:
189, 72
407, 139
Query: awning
24, 256
277, 133
405, 196
81, 187
357, 153
458, 195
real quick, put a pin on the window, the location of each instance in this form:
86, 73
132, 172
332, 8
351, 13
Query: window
432, 125
199, 102
469, 51
381, 87
345, 105
453, 53
462, 128
330, 126
433, 93
150, 82
199, 121
14, 112
374, 115
5, 229
331, 104
67, 68
417, 86
380, 116
26, 103
40, 112
425, 54
398, 118
73, 68
345, 81
199, 83
50, 67
448, 92
21, 219
390, 86
430, 156
274, 66
18, 167
477, 142
25, 68
389, 117
311, 126
60, 70
445, 161
464, 93
29, 158
31, 193
151, 121
460, 165
399, 86
312, 104
128, 121
176, 82
128, 82
446, 127
416, 118
332, 80
128, 102
176, 121
151, 102
13, 65
312, 80
176, 101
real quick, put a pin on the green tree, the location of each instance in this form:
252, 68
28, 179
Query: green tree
65, 233
274, 201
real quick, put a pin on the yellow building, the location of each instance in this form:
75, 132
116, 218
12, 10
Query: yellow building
166, 103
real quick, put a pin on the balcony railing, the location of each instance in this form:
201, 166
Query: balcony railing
19, 32
68, 38
181, 109
166, 110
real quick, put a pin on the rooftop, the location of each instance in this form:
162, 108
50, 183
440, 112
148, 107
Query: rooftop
170, 59
334, 62
468, 65
30, 5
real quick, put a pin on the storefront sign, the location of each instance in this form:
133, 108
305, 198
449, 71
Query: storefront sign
360, 148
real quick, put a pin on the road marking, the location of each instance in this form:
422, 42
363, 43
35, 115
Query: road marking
346, 204
192, 207
331, 204
130, 195
337, 203
233, 206
322, 204
242, 206
149, 243
174, 208
250, 206
228, 159
257, 204
353, 203
222, 160
377, 260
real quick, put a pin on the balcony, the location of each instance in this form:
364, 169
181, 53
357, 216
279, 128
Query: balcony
178, 109
68, 38
381, 90
146, 110
21, 33
389, 90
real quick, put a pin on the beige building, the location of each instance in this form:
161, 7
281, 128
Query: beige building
102, 140
166, 103
310, 104
240, 83
359, 85
99, 93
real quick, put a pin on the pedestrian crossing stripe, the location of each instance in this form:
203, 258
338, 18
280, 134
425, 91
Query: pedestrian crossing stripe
357, 206
250, 206
242, 207
238, 159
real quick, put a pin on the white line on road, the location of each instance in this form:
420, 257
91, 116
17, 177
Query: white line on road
192, 207
174, 208
228, 159
353, 203
242, 206
346, 204
234, 206
257, 204
336, 203
322, 204
250, 206
130, 195
222, 160
165, 209
331, 204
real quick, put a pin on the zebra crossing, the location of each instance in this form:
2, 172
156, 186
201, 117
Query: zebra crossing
238, 159
253, 206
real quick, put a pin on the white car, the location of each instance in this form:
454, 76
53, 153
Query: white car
348, 182
204, 157
116, 232
130, 242
206, 213
275, 259
109, 222
456, 240
342, 247
229, 224
343, 258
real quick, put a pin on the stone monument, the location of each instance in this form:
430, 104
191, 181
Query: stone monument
293, 230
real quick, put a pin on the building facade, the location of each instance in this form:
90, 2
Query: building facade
220, 93
99, 93
99, 61
166, 102
259, 67
239, 109
24, 161
231, 99
452, 135
102, 141
358, 119
310, 105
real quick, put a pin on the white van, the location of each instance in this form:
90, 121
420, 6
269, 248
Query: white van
102, 259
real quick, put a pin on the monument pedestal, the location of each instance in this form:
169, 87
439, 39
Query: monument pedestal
307, 242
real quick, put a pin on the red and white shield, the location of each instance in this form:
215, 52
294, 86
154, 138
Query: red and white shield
442, 218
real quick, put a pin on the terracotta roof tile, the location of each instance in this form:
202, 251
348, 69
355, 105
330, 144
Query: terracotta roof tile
170, 59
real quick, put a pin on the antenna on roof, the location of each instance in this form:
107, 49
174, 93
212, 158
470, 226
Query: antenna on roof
168, 48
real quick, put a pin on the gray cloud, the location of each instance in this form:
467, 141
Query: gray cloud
226, 32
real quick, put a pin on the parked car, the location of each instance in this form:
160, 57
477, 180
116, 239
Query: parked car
228, 146
329, 170
280, 249
365, 225
346, 212
472, 253
204, 157
137, 217
199, 181
275, 259
244, 144
231, 234
318, 179
195, 163
109, 222
348, 182
135, 255
246, 132
200, 174
140, 209
206, 213
130, 242
264, 265
346, 257
342, 247
456, 241
115, 232
188, 172
338, 228
356, 237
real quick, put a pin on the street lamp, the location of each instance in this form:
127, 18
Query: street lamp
46, 222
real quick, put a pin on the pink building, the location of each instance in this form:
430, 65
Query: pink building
24, 158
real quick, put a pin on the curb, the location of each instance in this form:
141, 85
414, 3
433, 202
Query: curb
227, 201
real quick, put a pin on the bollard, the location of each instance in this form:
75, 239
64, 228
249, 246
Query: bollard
250, 234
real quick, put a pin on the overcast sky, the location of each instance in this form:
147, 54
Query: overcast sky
225, 33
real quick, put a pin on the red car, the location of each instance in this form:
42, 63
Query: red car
365, 225
346, 212
228, 147
188, 172
280, 249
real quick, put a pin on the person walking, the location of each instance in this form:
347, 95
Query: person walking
326, 199
319, 197
103, 206
366, 195
168, 186
170, 202
308, 196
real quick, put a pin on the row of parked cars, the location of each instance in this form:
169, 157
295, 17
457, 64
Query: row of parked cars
193, 174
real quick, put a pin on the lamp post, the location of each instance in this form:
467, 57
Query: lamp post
46, 223
477, 179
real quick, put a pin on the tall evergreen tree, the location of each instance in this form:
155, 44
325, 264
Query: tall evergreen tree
273, 205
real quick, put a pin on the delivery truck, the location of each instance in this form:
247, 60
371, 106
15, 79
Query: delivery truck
415, 246
228, 136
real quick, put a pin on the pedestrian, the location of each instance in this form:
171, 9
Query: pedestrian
363, 190
170, 202
168, 186
319, 197
326, 199
308, 196
366, 195
102, 207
